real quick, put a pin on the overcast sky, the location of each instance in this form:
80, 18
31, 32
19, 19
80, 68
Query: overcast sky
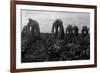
47, 18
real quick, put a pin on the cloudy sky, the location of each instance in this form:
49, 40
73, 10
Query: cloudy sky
47, 18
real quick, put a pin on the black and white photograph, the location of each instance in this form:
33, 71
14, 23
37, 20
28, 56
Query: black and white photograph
48, 36
52, 36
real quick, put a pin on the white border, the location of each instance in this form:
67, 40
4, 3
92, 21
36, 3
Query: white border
20, 65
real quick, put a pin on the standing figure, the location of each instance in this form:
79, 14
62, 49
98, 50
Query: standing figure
76, 37
69, 34
85, 43
85, 40
58, 29
69, 31
75, 31
29, 34
34, 30
85, 31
